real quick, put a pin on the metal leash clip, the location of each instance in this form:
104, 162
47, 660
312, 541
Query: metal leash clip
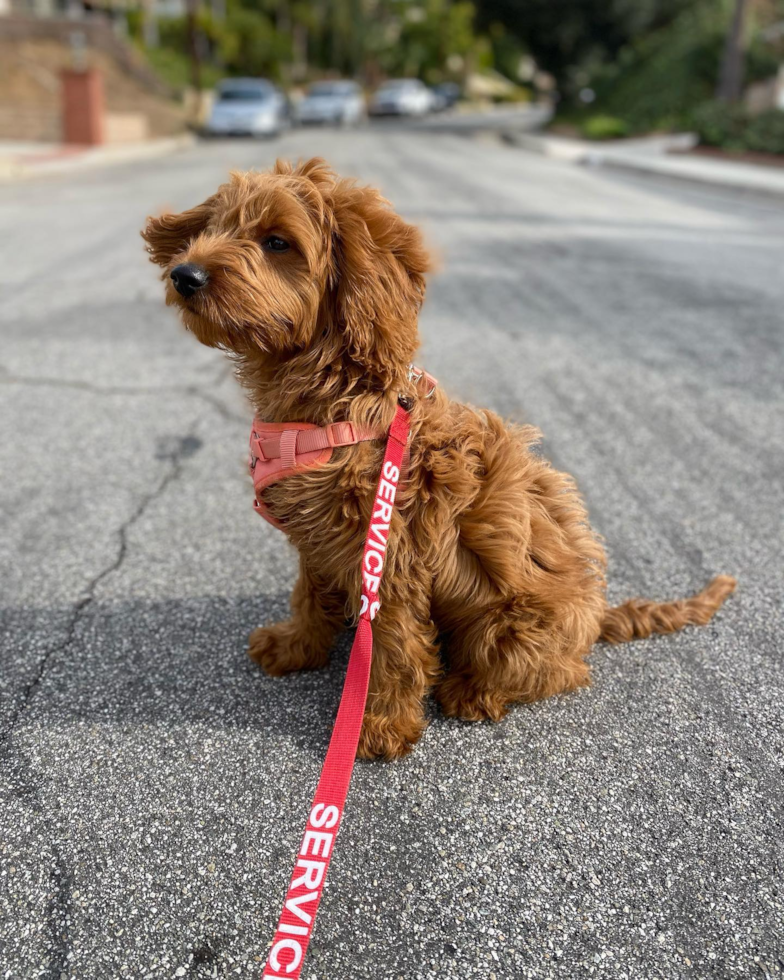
416, 374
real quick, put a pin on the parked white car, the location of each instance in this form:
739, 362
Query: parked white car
247, 107
402, 97
333, 102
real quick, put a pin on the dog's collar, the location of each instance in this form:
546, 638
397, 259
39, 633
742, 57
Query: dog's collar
281, 449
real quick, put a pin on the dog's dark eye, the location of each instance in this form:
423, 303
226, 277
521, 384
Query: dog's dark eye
273, 243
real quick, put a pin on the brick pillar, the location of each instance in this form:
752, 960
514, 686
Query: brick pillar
83, 107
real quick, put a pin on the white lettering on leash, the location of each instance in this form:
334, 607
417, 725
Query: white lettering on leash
383, 512
373, 606
378, 536
304, 889
279, 946
324, 816
312, 841
386, 490
293, 905
311, 878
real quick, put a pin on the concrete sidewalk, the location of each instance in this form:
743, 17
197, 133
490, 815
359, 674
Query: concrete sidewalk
23, 160
661, 156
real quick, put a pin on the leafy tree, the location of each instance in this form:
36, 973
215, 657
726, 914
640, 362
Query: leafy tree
370, 39
249, 43
565, 36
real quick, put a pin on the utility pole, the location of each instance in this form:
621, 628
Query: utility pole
730, 86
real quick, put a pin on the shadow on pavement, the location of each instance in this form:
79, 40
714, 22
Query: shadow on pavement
176, 662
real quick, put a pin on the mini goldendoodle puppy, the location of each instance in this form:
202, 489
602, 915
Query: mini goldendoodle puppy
314, 286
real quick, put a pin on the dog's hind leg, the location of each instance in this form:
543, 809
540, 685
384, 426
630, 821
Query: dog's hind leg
304, 641
511, 652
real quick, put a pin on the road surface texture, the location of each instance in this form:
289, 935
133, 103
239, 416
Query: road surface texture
154, 783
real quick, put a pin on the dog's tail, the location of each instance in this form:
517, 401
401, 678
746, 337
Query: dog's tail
638, 618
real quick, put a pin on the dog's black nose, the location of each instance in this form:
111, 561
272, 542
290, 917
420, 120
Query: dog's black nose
189, 278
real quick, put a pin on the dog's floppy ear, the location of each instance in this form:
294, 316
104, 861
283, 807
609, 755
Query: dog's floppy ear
171, 233
378, 279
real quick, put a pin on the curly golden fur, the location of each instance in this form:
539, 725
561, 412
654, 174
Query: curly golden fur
490, 547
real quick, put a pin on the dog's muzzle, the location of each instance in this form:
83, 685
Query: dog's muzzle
189, 279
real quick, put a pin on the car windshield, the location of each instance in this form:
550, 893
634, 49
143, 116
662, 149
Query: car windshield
245, 94
402, 84
331, 89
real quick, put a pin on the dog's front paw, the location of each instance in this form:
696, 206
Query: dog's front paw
460, 699
282, 648
385, 738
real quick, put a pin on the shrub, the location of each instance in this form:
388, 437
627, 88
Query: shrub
513, 95
721, 124
604, 128
765, 133
731, 127
658, 76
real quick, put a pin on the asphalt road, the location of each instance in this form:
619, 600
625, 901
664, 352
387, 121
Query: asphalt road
154, 784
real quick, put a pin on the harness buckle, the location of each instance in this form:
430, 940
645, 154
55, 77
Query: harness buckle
336, 434
257, 453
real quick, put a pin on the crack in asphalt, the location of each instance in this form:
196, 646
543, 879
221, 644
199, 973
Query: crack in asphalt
194, 390
184, 448
176, 458
59, 905
62, 879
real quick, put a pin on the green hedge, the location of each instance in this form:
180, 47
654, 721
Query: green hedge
731, 127
601, 127
766, 132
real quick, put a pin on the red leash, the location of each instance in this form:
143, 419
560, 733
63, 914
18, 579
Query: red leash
307, 882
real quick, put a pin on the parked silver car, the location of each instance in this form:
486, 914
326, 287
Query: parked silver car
247, 107
402, 97
333, 102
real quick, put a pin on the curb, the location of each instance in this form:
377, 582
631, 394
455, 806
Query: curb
557, 148
718, 174
770, 185
14, 169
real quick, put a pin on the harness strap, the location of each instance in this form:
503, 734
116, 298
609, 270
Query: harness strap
307, 882
296, 442
282, 449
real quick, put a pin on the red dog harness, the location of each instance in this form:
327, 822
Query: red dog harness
281, 449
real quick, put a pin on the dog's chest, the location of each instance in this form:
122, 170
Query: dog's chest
324, 513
